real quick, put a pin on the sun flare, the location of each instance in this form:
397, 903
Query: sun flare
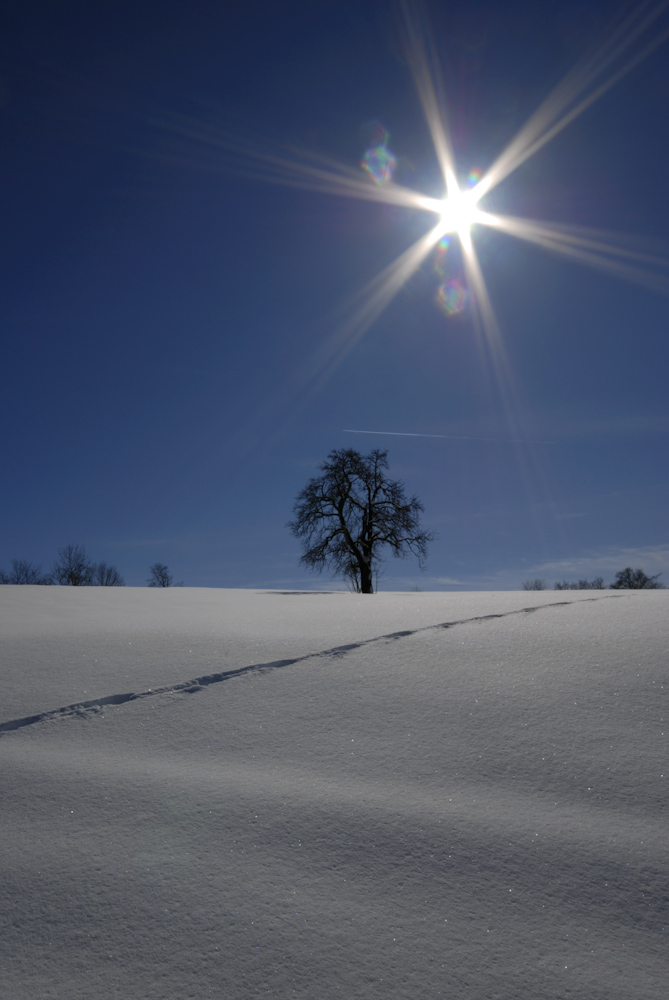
458, 213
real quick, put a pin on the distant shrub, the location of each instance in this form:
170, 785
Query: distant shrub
636, 579
160, 576
535, 584
596, 584
107, 576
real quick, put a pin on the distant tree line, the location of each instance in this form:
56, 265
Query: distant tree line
596, 584
626, 579
74, 568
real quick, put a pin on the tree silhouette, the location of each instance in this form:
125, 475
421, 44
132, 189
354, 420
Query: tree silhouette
350, 513
73, 568
636, 579
160, 576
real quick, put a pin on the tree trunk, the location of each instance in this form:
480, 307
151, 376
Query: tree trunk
366, 581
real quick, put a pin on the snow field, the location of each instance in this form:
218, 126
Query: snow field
476, 810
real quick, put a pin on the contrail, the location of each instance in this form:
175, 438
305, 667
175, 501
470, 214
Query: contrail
447, 437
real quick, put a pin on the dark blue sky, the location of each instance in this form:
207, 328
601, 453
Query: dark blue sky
166, 315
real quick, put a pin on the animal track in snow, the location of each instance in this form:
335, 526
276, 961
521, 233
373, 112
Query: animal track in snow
84, 709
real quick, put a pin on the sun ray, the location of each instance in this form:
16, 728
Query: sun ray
493, 351
371, 301
424, 64
457, 211
558, 109
361, 311
301, 169
596, 250
529, 460
330, 177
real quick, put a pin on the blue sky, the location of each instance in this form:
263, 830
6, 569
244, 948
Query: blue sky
168, 381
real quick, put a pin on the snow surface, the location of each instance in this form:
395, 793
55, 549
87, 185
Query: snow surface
404, 795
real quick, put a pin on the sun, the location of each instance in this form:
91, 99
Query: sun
458, 212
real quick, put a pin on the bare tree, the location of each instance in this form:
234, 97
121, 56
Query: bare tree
73, 568
160, 576
350, 513
535, 584
107, 576
636, 579
23, 572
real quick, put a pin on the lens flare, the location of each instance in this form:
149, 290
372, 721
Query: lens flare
440, 258
378, 161
452, 297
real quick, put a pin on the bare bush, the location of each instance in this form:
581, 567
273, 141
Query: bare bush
596, 584
107, 576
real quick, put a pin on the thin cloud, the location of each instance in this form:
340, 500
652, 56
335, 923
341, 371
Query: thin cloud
603, 562
630, 425
651, 558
